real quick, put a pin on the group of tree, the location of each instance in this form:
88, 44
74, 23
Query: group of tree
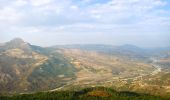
97, 93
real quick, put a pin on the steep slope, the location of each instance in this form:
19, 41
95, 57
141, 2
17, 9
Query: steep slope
24, 67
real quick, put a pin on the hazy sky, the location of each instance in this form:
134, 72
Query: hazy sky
50, 22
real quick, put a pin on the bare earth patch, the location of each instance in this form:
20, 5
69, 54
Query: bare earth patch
98, 93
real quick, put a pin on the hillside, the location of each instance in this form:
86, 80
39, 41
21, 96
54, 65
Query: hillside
98, 93
26, 68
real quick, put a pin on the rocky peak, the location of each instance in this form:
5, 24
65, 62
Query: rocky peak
17, 43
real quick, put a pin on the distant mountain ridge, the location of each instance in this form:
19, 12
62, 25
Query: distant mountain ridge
18, 42
125, 50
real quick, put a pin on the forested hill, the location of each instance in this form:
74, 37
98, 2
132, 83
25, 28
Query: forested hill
97, 93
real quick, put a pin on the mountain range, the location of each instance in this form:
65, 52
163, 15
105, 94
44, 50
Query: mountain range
26, 68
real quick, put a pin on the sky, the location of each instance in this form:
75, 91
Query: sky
145, 23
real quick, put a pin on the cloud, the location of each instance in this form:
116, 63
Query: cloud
107, 17
40, 2
20, 2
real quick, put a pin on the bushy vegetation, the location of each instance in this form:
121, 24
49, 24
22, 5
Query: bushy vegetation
98, 93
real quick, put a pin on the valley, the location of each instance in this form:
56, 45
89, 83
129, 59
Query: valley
109, 71
74, 67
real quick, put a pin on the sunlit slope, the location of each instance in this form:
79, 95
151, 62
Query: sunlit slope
24, 67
